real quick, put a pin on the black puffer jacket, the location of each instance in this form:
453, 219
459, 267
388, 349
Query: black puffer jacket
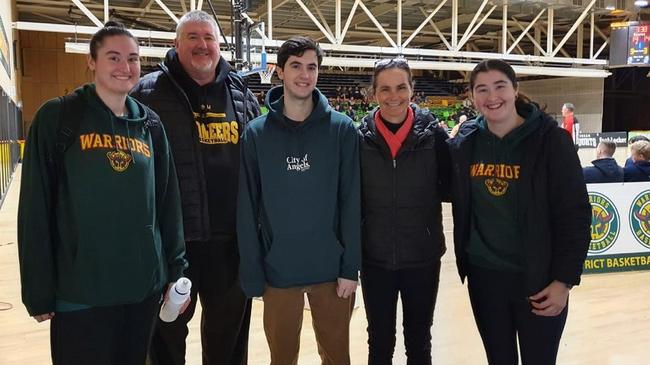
401, 198
162, 93
552, 204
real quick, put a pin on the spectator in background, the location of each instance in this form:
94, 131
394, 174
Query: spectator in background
604, 169
454, 131
364, 93
630, 142
351, 113
640, 168
570, 122
357, 93
260, 97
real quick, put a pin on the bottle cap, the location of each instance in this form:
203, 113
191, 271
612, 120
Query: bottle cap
183, 286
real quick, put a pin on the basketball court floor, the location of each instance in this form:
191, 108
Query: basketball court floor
608, 324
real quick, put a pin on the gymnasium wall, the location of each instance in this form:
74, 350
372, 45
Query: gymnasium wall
48, 71
10, 118
7, 69
585, 93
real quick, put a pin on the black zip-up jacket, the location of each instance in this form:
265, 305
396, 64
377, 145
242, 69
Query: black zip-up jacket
401, 198
161, 92
552, 204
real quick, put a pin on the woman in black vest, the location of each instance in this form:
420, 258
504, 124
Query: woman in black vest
521, 219
405, 173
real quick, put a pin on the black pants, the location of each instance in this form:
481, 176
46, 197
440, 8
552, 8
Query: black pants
418, 289
112, 335
214, 271
503, 315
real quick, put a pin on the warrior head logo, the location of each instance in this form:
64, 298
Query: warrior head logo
640, 218
119, 160
496, 187
604, 223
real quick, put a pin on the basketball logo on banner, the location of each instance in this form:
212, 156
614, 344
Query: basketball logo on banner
640, 218
605, 223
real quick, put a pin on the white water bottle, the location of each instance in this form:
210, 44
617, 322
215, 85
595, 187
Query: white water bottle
178, 294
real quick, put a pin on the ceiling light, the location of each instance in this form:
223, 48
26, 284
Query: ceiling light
641, 3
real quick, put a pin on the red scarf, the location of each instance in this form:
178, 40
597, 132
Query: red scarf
394, 141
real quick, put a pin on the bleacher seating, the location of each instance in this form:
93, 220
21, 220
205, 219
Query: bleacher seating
327, 84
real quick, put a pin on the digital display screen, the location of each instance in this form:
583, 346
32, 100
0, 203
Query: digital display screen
639, 45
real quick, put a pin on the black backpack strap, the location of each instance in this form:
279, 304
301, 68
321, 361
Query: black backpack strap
71, 113
154, 124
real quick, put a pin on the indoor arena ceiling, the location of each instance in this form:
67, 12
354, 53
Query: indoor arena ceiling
544, 37
290, 19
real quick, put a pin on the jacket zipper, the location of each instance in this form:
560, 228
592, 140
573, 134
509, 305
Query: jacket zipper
205, 234
394, 212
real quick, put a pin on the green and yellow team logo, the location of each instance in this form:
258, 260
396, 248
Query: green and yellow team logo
640, 218
605, 223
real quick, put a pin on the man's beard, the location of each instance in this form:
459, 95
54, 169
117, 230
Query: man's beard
203, 67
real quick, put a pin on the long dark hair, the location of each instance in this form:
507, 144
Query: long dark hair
110, 29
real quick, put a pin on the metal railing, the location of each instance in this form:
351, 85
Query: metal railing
11, 135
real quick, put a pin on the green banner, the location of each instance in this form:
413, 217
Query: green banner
615, 263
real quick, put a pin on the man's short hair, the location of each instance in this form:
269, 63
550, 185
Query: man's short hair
607, 147
569, 107
638, 137
196, 16
641, 149
296, 46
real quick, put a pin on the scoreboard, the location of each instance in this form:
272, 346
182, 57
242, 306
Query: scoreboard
630, 44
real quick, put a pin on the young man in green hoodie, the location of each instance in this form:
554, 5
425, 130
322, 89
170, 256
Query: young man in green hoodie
298, 217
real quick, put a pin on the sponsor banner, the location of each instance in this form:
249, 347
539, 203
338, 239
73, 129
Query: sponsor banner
614, 263
620, 227
591, 140
631, 134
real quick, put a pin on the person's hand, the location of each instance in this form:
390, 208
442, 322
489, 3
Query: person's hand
185, 304
43, 317
551, 300
345, 287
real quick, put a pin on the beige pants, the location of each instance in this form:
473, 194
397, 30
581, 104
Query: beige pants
283, 310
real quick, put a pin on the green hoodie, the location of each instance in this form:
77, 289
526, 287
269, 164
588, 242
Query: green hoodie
495, 239
112, 232
299, 211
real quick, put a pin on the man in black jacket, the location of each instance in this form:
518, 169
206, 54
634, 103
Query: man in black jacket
204, 106
604, 169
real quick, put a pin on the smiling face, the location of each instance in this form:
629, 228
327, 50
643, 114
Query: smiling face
197, 46
494, 96
299, 75
393, 92
116, 66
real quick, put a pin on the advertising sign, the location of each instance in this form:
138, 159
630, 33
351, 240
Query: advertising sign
620, 227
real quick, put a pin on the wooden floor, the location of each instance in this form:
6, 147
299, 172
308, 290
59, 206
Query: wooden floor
609, 320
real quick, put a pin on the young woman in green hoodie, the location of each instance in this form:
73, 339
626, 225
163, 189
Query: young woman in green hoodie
99, 218
521, 219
